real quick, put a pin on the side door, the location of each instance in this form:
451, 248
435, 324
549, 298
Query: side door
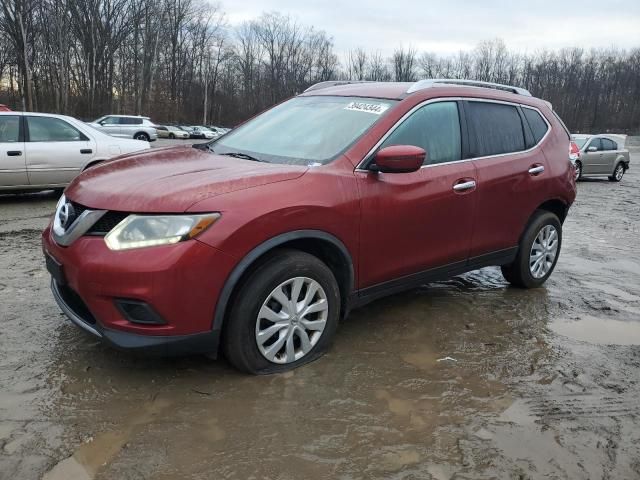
13, 167
511, 174
415, 222
610, 154
111, 126
129, 126
56, 150
593, 161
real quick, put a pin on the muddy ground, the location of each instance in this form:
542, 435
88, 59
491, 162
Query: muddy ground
539, 384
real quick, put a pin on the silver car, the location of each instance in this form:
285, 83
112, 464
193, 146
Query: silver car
171, 132
41, 151
127, 126
601, 155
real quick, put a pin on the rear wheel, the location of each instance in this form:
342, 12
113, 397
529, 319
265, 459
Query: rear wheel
538, 252
284, 315
172, 136
141, 136
618, 173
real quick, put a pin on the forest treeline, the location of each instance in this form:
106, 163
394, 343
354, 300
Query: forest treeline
180, 61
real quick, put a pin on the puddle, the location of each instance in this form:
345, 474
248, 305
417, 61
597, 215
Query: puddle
600, 331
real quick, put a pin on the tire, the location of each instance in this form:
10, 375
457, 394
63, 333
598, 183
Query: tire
141, 136
172, 136
521, 272
246, 320
578, 170
57, 192
618, 172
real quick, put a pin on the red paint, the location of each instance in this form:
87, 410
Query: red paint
4, 108
392, 224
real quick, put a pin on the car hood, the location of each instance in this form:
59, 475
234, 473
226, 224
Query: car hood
171, 180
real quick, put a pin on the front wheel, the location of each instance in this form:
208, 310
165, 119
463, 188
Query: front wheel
618, 173
172, 136
538, 252
578, 167
284, 315
141, 136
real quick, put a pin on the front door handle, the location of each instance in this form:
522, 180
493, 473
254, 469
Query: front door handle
86, 150
463, 186
14, 153
536, 170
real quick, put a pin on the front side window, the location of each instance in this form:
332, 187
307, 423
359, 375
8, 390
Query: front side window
304, 130
47, 129
495, 128
9, 128
595, 143
108, 121
434, 128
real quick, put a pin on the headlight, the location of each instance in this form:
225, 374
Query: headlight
137, 231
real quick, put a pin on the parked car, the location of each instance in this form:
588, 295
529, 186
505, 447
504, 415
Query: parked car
127, 126
4, 108
202, 132
218, 130
171, 132
41, 151
601, 155
264, 238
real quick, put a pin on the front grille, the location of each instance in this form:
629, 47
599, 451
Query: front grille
78, 209
73, 301
107, 222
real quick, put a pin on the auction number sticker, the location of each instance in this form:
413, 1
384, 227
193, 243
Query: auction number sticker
376, 108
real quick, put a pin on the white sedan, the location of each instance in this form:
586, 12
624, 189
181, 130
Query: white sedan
41, 151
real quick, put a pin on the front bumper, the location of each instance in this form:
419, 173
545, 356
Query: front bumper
166, 345
179, 282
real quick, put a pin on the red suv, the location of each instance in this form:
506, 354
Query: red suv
260, 241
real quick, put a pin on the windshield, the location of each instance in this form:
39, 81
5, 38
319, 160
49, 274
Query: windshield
580, 141
304, 130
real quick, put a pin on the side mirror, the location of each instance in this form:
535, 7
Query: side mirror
592, 149
398, 159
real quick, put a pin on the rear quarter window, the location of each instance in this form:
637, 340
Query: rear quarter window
495, 128
538, 126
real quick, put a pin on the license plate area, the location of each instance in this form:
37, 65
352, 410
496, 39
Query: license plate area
56, 269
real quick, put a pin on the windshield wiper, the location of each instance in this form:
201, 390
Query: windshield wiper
243, 156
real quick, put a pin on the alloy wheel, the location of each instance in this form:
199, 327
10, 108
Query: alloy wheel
619, 172
291, 320
543, 251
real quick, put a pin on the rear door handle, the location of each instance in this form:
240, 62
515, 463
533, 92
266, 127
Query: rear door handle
536, 170
462, 186
14, 153
86, 150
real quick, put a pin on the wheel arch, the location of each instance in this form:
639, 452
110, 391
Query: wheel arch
93, 162
323, 245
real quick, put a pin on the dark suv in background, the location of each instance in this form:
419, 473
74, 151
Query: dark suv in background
261, 240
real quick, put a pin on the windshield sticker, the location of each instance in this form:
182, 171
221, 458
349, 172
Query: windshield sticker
376, 108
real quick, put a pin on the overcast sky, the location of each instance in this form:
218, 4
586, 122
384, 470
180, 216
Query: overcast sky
447, 26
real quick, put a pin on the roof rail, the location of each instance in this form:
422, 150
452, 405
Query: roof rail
333, 83
431, 82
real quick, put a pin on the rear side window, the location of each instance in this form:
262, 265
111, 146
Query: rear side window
130, 121
608, 144
9, 128
435, 128
495, 128
538, 126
